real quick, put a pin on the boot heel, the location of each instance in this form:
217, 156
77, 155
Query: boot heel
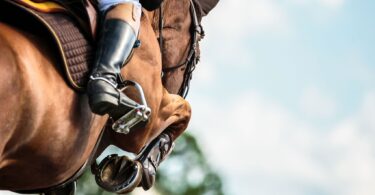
103, 104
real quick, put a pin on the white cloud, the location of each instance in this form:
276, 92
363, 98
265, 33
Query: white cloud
335, 4
331, 4
260, 139
316, 103
238, 19
352, 146
230, 25
368, 112
262, 148
206, 73
357, 67
234, 21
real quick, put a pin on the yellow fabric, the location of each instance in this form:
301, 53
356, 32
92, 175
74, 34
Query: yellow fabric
47, 6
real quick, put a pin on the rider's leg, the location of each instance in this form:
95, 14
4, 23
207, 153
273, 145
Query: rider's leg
118, 35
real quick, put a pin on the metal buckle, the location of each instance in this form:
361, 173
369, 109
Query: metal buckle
139, 113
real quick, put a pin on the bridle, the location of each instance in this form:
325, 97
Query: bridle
193, 57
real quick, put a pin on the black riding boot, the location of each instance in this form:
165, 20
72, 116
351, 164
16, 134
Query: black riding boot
115, 44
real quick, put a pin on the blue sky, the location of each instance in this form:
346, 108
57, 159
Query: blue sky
284, 98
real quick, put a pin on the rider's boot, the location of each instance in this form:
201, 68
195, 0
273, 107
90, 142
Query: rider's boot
151, 157
119, 33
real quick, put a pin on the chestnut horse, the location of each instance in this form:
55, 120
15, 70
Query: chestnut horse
47, 130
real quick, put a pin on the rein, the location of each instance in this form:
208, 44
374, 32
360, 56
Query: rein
193, 56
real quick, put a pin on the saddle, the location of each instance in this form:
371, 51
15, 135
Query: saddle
69, 27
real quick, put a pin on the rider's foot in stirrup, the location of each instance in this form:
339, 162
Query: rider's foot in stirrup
103, 95
115, 44
106, 98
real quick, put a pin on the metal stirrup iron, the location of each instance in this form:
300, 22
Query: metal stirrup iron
139, 112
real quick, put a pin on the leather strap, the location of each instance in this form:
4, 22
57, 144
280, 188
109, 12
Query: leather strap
193, 55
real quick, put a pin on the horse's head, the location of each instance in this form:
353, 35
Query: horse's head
180, 32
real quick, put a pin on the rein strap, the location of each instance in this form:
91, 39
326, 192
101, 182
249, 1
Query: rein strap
193, 56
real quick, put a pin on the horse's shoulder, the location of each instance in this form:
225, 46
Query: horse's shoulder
7, 33
13, 42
